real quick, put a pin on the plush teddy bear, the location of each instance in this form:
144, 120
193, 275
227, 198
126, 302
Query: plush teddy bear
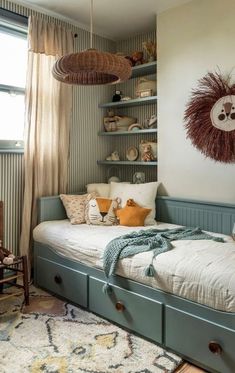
6, 257
147, 155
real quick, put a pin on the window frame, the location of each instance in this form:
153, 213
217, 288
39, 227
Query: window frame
12, 24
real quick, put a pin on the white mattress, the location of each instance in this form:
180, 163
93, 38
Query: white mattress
202, 271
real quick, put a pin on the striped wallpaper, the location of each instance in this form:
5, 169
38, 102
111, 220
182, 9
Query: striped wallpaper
85, 146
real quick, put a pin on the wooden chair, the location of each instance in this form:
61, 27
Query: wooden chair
10, 273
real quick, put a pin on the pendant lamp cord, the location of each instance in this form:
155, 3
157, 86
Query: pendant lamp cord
91, 24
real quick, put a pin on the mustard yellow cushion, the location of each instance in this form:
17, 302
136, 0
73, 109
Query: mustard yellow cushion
132, 215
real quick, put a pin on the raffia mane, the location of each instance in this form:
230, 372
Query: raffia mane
212, 142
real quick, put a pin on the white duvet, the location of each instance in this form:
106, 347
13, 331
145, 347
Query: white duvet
202, 271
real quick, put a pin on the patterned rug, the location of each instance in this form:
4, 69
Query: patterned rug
52, 336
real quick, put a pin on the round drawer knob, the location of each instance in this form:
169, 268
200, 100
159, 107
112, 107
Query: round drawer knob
58, 279
215, 348
120, 306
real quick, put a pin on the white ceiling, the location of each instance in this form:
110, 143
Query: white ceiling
115, 19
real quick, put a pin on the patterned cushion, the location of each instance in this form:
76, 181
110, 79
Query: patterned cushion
101, 211
75, 206
132, 215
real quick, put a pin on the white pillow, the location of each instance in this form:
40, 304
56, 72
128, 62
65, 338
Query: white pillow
143, 194
101, 189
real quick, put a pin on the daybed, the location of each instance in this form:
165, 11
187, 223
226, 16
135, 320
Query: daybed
201, 328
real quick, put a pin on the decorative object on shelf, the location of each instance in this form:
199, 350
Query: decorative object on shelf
153, 147
210, 117
91, 67
117, 122
110, 122
147, 155
151, 122
135, 127
113, 175
145, 84
114, 156
132, 153
146, 93
139, 178
126, 98
137, 58
117, 96
151, 49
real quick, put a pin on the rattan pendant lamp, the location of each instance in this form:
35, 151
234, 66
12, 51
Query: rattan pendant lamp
91, 67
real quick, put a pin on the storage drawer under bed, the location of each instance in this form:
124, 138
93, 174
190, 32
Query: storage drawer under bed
128, 309
202, 341
61, 280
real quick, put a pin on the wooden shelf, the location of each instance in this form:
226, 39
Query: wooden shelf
127, 163
127, 133
129, 103
145, 69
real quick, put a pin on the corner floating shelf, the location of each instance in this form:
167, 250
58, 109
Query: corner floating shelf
127, 163
128, 103
127, 133
145, 69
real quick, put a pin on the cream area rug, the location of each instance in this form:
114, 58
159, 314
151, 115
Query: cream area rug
52, 336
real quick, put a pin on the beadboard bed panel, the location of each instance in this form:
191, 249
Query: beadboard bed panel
213, 217
185, 327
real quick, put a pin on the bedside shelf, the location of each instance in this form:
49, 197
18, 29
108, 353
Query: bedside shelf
129, 103
127, 163
127, 133
145, 69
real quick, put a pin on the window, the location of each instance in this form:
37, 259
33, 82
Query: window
13, 64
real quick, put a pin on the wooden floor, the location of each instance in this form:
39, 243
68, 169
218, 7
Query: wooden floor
188, 368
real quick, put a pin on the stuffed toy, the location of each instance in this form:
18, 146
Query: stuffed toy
137, 58
147, 155
6, 257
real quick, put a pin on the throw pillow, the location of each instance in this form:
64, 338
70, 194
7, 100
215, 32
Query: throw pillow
101, 189
143, 194
75, 206
101, 211
132, 215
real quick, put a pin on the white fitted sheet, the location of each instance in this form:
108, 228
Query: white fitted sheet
202, 271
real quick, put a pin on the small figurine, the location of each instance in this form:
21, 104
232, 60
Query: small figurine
114, 156
151, 122
147, 155
117, 96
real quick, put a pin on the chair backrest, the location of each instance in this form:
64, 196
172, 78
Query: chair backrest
1, 223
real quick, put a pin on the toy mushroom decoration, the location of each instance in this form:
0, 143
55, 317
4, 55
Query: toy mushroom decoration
210, 118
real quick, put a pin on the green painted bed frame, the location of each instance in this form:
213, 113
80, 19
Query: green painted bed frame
198, 333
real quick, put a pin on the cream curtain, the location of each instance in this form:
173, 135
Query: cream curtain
48, 114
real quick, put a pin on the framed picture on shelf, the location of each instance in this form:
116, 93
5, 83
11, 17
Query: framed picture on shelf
145, 93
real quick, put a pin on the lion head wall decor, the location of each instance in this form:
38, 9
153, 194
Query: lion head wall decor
210, 118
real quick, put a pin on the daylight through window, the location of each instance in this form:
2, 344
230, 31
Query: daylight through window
13, 64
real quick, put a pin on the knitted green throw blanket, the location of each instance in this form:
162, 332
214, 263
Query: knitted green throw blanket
155, 240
